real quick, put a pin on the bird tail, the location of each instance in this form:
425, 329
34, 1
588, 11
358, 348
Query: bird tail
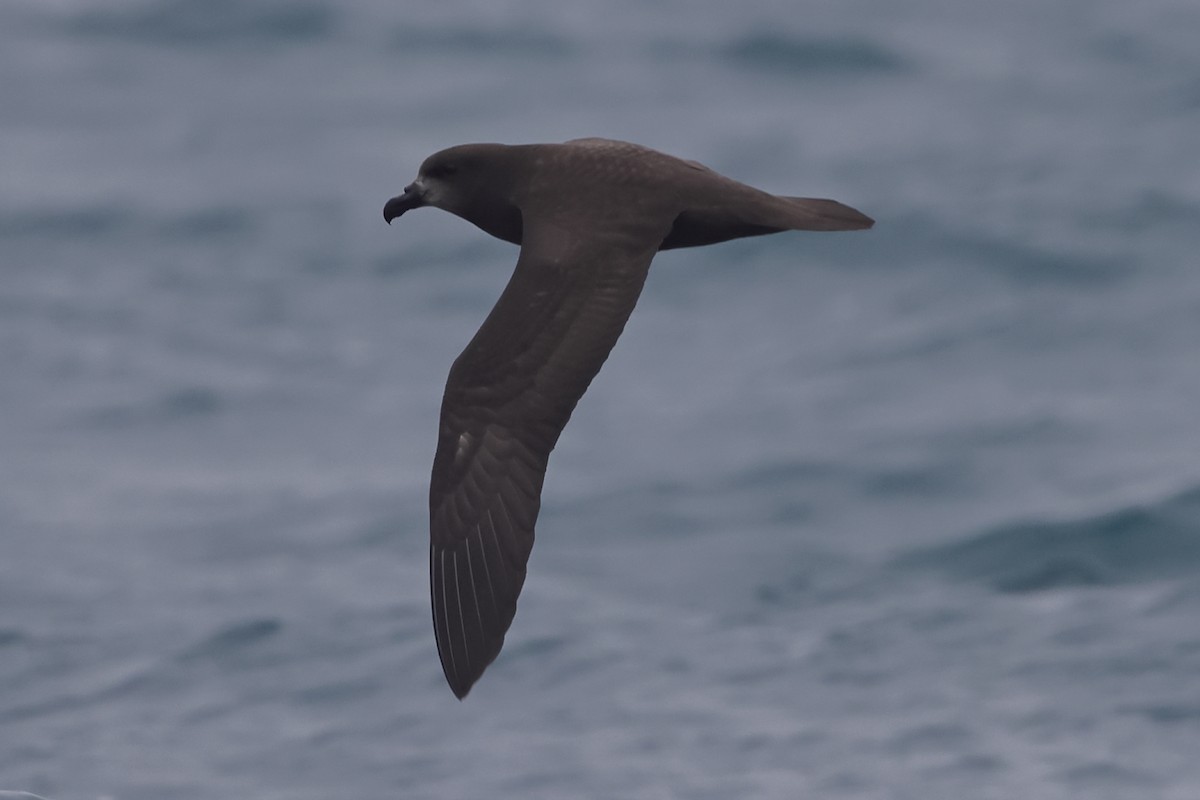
816, 214
755, 213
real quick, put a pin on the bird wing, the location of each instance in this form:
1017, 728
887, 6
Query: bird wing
508, 397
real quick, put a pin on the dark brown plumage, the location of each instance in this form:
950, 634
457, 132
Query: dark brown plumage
589, 216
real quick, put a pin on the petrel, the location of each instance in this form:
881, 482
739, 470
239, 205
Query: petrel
589, 215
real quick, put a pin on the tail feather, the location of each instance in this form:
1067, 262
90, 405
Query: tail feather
817, 214
756, 213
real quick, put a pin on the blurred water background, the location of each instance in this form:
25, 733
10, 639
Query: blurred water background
913, 513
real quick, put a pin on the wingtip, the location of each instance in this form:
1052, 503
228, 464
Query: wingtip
460, 690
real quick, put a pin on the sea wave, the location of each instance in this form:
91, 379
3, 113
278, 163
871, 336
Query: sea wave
480, 41
99, 221
779, 53
1133, 544
178, 22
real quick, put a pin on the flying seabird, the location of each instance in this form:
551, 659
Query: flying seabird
589, 216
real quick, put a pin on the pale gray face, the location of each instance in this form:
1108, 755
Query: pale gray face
437, 181
433, 187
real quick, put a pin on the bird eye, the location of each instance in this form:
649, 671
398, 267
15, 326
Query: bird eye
442, 170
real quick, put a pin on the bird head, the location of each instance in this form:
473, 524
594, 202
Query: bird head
472, 181
452, 180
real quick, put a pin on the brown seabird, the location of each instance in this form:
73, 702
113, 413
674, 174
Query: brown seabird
589, 216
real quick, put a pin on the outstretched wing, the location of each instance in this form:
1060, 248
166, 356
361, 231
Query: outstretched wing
507, 399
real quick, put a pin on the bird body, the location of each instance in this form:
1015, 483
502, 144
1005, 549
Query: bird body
589, 216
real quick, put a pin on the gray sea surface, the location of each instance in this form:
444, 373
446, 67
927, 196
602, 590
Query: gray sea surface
912, 513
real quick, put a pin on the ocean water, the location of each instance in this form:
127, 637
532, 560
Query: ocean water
912, 513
